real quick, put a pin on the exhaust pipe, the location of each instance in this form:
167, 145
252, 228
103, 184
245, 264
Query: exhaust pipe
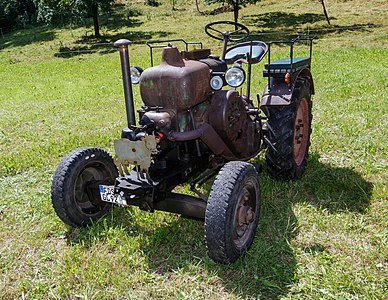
122, 44
209, 136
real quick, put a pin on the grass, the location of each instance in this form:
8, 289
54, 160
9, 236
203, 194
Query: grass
322, 237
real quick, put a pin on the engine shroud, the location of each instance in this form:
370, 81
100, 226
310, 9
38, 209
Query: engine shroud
238, 129
175, 83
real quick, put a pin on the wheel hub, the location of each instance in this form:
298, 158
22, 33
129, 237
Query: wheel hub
245, 215
301, 131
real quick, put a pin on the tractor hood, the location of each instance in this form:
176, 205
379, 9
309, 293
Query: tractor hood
176, 83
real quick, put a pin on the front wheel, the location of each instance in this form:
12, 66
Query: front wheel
232, 212
289, 129
74, 191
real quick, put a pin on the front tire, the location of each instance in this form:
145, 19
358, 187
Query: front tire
232, 212
74, 191
289, 130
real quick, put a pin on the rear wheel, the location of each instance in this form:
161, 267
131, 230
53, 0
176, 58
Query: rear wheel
74, 191
232, 212
289, 129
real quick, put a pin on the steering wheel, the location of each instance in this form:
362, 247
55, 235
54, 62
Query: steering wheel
212, 31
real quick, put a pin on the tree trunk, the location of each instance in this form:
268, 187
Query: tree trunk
196, 3
94, 9
325, 12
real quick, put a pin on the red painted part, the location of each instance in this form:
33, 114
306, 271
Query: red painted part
301, 131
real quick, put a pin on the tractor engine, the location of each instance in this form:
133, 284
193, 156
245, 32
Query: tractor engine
181, 104
175, 93
188, 119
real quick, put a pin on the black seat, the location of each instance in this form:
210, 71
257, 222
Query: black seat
238, 53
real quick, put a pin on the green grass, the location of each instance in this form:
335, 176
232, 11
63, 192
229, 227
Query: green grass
322, 237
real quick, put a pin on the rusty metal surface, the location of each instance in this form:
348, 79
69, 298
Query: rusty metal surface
196, 54
280, 92
175, 83
125, 68
209, 136
228, 116
161, 119
182, 204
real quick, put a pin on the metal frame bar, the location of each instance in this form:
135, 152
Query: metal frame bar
158, 42
291, 42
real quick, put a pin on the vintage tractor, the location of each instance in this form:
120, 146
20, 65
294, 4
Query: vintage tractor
194, 124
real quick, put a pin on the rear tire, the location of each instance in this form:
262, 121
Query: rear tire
289, 130
74, 191
232, 212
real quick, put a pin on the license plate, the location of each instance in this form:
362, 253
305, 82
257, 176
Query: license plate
108, 195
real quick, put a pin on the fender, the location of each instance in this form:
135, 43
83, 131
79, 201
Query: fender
281, 92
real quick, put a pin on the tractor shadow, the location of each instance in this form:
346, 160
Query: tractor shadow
174, 243
269, 268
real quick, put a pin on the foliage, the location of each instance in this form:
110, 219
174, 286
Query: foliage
22, 12
13, 12
91, 7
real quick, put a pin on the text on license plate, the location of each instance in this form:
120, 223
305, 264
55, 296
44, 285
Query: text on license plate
108, 195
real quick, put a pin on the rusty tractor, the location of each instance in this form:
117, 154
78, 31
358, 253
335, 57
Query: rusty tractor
195, 124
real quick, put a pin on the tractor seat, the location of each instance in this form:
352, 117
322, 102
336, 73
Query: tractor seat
240, 52
196, 54
279, 68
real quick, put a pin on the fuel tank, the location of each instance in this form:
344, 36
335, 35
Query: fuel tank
176, 83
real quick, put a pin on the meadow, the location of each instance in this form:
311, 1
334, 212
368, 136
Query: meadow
324, 236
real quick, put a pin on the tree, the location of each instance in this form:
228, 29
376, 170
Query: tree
16, 12
324, 11
81, 8
234, 4
91, 7
237, 4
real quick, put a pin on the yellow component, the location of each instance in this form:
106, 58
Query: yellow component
287, 78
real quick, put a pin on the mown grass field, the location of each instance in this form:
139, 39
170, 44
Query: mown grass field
322, 237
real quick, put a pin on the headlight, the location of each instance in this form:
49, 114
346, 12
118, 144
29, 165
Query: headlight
135, 74
216, 83
235, 76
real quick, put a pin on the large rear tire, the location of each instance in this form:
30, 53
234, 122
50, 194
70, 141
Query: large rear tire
289, 130
74, 191
232, 212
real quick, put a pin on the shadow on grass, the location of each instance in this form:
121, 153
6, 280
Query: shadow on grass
104, 45
27, 36
269, 268
336, 189
278, 19
111, 25
281, 25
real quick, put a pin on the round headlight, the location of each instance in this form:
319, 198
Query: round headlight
216, 83
235, 76
135, 74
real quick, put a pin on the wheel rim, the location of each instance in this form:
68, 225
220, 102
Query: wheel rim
87, 203
301, 131
245, 215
